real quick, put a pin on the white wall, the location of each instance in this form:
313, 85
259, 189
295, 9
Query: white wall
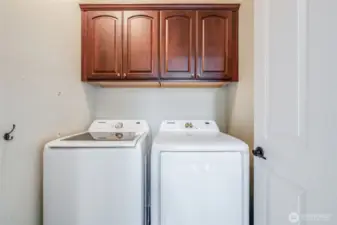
43, 95
156, 105
41, 92
2, 90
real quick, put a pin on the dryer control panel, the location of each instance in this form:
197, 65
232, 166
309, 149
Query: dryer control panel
189, 125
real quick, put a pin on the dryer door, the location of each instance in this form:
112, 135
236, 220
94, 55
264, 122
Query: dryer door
199, 188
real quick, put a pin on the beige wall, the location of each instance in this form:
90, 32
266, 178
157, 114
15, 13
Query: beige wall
241, 95
41, 92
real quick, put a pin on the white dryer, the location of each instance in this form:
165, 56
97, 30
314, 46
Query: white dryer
98, 176
198, 176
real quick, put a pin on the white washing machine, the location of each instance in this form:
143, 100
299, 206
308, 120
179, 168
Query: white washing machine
198, 176
98, 177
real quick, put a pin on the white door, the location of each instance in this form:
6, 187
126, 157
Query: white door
296, 112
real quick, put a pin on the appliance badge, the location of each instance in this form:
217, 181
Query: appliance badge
188, 125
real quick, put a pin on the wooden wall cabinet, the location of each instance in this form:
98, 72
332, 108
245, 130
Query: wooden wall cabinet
102, 46
214, 47
177, 44
120, 45
160, 43
140, 45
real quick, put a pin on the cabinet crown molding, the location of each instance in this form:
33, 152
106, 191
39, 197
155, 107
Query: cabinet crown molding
93, 7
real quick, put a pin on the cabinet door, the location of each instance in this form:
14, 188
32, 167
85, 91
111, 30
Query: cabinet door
177, 50
102, 48
214, 48
140, 45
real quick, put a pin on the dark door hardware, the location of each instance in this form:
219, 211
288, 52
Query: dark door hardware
259, 152
8, 136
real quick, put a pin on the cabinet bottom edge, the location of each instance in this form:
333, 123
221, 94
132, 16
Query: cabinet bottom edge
156, 84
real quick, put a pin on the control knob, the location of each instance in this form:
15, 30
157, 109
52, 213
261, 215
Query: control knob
119, 125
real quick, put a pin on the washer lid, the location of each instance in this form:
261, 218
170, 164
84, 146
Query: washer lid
104, 136
197, 141
98, 140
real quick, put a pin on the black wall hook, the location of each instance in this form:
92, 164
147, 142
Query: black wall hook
8, 136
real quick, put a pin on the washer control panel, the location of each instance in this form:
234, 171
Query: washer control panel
119, 126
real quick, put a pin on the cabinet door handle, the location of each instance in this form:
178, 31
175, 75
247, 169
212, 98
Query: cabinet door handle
192, 75
198, 75
118, 74
124, 75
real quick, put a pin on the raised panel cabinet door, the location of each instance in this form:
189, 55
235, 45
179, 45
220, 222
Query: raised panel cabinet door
214, 48
140, 45
177, 44
102, 46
